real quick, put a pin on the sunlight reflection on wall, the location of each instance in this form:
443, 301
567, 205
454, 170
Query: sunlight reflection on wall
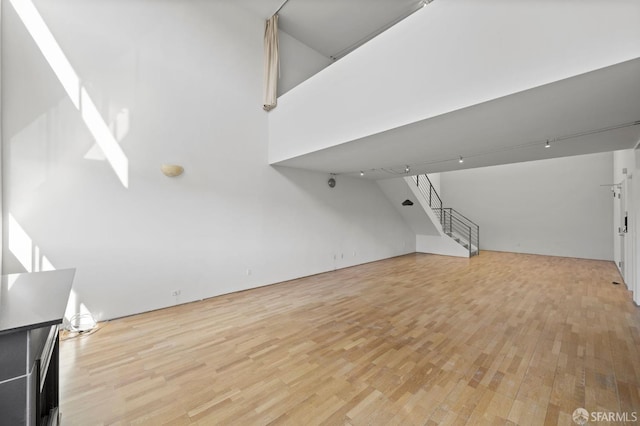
25, 251
72, 85
32, 260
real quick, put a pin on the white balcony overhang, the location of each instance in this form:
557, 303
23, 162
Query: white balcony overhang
489, 81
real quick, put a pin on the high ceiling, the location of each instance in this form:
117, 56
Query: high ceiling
333, 27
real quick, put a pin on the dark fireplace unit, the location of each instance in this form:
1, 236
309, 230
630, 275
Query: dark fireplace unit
31, 308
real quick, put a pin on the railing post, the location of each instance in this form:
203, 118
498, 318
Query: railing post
470, 241
417, 180
430, 191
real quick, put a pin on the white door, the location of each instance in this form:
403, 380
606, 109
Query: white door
622, 214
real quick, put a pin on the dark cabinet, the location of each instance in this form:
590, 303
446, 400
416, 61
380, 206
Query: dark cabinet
31, 308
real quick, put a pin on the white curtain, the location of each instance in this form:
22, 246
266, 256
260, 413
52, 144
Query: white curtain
271, 64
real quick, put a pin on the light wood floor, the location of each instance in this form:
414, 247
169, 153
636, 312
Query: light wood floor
421, 339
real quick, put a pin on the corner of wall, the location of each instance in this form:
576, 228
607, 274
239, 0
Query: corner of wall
1, 144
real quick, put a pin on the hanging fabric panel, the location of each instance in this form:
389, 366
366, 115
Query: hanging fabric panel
271, 64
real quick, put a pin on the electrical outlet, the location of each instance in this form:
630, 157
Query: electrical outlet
176, 292
248, 271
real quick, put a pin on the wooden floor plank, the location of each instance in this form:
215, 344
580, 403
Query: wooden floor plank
500, 338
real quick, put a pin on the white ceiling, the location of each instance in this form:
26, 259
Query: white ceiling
585, 114
331, 27
334, 27
264, 8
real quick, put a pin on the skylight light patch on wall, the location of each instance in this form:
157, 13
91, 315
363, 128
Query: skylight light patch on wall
70, 81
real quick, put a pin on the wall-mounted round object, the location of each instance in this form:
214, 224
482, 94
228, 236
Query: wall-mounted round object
331, 182
172, 170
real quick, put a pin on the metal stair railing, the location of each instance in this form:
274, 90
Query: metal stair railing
430, 195
462, 229
455, 224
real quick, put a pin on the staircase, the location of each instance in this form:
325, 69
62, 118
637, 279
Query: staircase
457, 226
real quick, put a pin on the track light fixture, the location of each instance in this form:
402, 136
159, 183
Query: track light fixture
397, 168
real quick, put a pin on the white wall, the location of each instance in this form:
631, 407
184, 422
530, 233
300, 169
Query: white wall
553, 207
419, 216
178, 82
298, 62
1, 108
435, 181
441, 244
454, 54
430, 237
